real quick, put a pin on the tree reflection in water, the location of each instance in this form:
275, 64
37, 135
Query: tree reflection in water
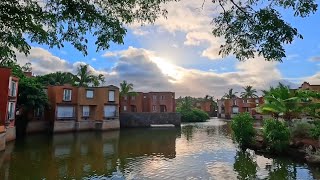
245, 165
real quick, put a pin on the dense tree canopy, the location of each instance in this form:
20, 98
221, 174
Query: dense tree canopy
256, 27
54, 22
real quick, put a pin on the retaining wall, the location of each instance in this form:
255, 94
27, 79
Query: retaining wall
133, 119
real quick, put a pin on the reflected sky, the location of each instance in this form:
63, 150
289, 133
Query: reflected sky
194, 151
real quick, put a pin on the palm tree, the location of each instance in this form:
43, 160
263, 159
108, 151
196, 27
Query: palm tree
84, 77
249, 92
126, 89
230, 94
283, 102
56, 78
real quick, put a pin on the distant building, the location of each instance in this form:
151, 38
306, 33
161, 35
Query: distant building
8, 102
227, 108
149, 102
307, 86
81, 108
206, 106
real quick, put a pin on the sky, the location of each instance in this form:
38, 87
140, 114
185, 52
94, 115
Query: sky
179, 54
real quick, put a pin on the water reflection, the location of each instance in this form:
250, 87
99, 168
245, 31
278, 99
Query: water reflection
196, 151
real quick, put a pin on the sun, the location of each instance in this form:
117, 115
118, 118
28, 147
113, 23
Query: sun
168, 69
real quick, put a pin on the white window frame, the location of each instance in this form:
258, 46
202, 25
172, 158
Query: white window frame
65, 114
154, 97
154, 108
13, 88
133, 98
235, 102
11, 110
89, 94
85, 111
125, 108
233, 110
245, 101
111, 97
67, 94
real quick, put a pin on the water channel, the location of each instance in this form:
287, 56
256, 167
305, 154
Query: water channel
194, 151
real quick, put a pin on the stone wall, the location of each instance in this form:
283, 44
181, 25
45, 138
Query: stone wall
108, 124
68, 126
63, 126
128, 120
10, 134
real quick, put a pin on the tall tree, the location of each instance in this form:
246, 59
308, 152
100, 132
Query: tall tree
126, 89
56, 78
230, 94
249, 92
85, 77
256, 27
54, 22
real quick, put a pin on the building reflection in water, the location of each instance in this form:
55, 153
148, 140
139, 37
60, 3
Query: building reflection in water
87, 154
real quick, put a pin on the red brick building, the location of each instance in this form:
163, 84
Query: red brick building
8, 101
227, 108
206, 106
149, 102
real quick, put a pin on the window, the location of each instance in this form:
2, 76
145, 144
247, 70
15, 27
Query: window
11, 109
154, 97
235, 110
154, 108
13, 90
67, 93
234, 102
111, 96
65, 112
125, 108
144, 97
89, 94
257, 100
245, 101
133, 98
85, 111
110, 111
162, 97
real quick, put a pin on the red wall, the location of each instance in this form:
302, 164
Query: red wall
5, 74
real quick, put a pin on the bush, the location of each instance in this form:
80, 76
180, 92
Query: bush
301, 129
276, 134
315, 131
193, 115
243, 131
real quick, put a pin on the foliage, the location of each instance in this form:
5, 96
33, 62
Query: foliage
189, 113
301, 129
85, 77
249, 92
30, 91
256, 27
243, 130
127, 89
276, 134
56, 78
54, 22
288, 104
315, 131
230, 94
245, 166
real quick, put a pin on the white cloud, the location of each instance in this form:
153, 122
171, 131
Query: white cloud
93, 59
109, 54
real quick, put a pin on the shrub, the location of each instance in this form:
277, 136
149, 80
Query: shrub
243, 131
276, 134
193, 115
315, 131
301, 129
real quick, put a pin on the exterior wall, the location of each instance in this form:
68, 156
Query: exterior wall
37, 126
2, 141
243, 105
5, 80
10, 134
144, 102
128, 120
307, 86
107, 125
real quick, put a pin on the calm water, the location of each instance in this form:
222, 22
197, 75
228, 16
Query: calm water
196, 151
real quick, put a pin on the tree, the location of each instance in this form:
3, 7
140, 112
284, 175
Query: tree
249, 92
53, 22
255, 27
126, 89
56, 78
230, 94
283, 102
85, 77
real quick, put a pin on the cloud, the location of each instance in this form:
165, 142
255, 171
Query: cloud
109, 54
315, 59
93, 59
150, 72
